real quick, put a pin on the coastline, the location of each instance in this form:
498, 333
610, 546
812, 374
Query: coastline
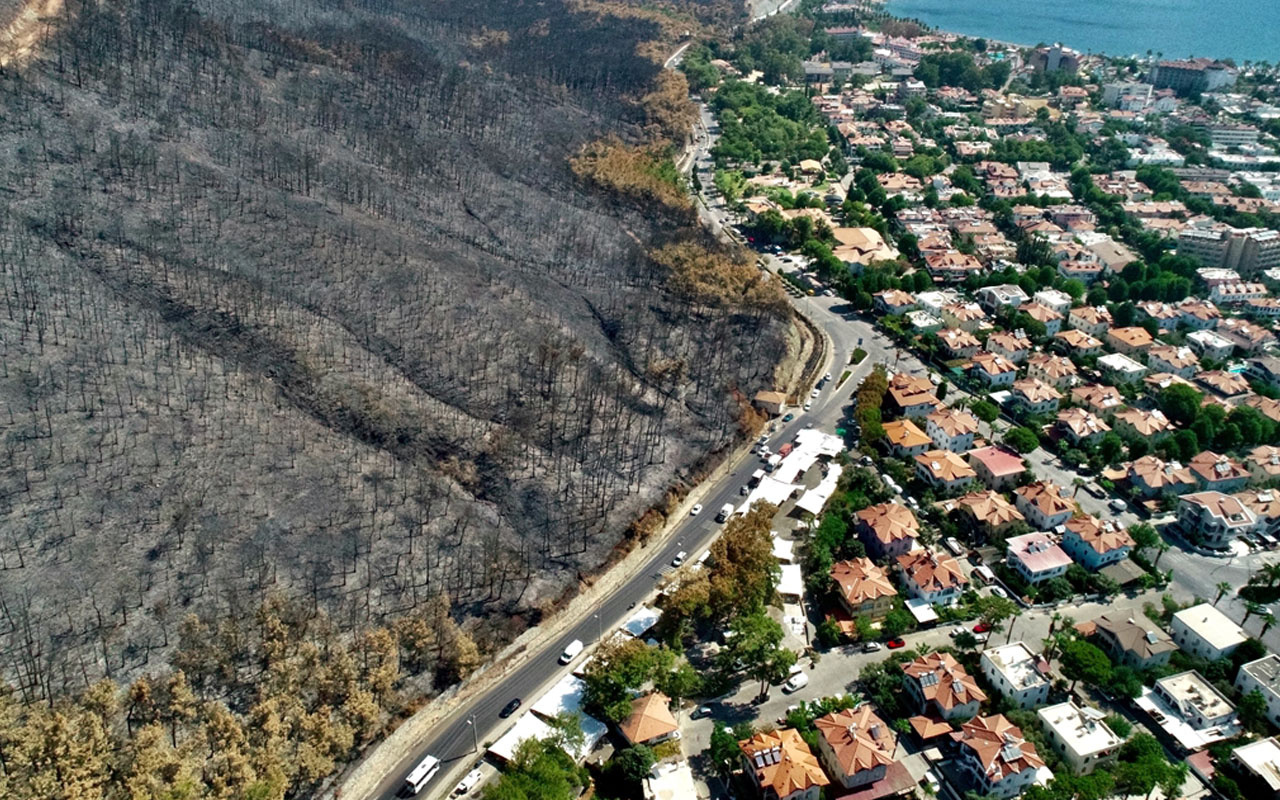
1152, 30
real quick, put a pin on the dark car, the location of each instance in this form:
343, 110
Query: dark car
509, 708
788, 417
894, 644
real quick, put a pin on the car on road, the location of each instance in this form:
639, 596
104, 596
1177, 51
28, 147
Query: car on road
744, 490
827, 377
867, 461
788, 417
894, 644
795, 683
808, 404
509, 708
696, 510
816, 391
981, 627
701, 711
871, 647
1117, 505
957, 630
679, 559
999, 591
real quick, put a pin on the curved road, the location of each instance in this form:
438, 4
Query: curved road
454, 741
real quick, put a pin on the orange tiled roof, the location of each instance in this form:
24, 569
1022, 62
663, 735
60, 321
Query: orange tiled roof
781, 761
1103, 537
890, 522
932, 572
944, 681
945, 465
999, 746
861, 580
990, 508
859, 739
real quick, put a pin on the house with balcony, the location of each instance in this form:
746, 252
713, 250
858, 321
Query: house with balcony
989, 512
1265, 505
894, 301
1003, 763
857, 748
994, 371
945, 470
1130, 341
863, 588
994, 298
1137, 423
1077, 344
1099, 398
1205, 632
1152, 477
933, 577
1133, 640
939, 685
782, 766
1210, 345
1226, 385
1263, 676
905, 439
959, 343
1214, 519
997, 467
1036, 557
1119, 368
1093, 320
1180, 361
1034, 396
1050, 319
911, 397
1263, 463
952, 429
1057, 371
1015, 346
1246, 335
1080, 427
1081, 737
1218, 473
1043, 505
1054, 300
1095, 543
888, 529
1190, 710
1017, 673
965, 316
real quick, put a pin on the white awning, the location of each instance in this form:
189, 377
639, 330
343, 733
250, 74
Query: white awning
641, 621
791, 584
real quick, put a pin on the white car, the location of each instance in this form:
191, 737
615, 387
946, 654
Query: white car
808, 404
828, 377
957, 630
815, 392
795, 683
696, 510
999, 592
468, 783
679, 559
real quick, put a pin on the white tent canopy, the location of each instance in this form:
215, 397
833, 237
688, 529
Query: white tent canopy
791, 584
641, 621
816, 498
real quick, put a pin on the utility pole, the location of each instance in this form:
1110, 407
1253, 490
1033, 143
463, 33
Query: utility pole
475, 736
599, 630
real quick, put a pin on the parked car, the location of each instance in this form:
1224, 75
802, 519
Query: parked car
788, 417
509, 708
796, 682
999, 591
816, 391
468, 783
808, 404
827, 377
679, 559
701, 711
871, 647
744, 490
1117, 505
696, 510
957, 630
983, 627
894, 644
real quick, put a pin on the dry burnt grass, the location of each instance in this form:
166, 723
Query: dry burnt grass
304, 297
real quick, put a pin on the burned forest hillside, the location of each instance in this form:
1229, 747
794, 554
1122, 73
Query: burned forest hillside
305, 299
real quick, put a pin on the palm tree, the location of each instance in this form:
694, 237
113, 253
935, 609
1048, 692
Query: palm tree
1251, 608
1267, 622
1161, 548
1078, 483
1271, 572
1223, 587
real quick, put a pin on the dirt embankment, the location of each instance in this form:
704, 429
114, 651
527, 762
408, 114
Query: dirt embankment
24, 26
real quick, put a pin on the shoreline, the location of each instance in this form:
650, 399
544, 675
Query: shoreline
1139, 54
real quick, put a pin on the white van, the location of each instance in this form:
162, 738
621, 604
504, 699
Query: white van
984, 574
571, 652
425, 771
468, 783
